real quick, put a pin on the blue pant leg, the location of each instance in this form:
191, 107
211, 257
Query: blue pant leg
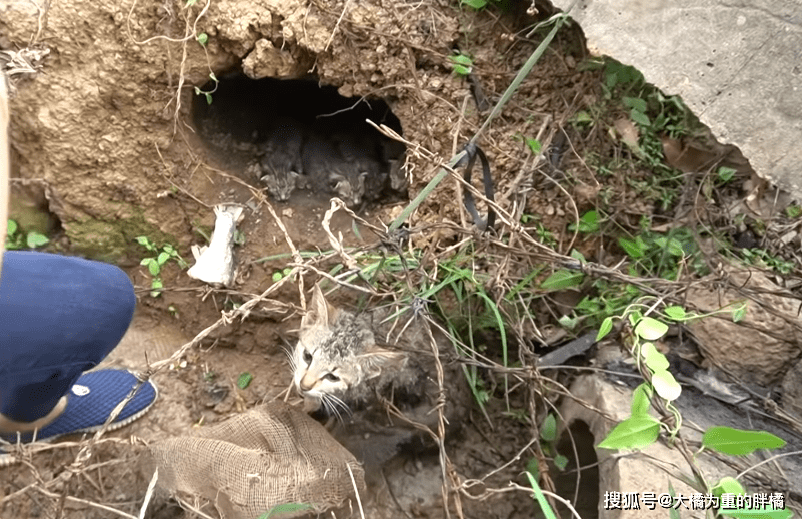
59, 316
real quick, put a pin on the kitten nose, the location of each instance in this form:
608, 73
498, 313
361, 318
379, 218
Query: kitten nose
306, 383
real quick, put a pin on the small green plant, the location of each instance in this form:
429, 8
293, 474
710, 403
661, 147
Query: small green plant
793, 211
208, 93
244, 380
16, 239
281, 274
725, 174
588, 223
762, 258
164, 254
663, 254
461, 64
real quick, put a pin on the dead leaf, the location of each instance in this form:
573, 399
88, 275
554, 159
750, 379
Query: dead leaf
688, 158
628, 131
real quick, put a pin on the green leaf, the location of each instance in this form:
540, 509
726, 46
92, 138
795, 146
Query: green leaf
635, 249
476, 4
605, 328
578, 256
548, 429
725, 174
738, 442
676, 313
163, 257
190, 3
582, 117
568, 322
244, 380
36, 239
461, 59
634, 317
739, 313
562, 279
636, 432
208, 98
666, 385
588, 306
639, 117
203, 38
534, 145
727, 485
156, 285
144, 241
650, 329
758, 513
277, 276
12, 228
635, 102
674, 247
655, 360
588, 223
153, 266
641, 400
560, 461
548, 513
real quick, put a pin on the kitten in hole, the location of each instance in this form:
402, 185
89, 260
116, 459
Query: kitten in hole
347, 364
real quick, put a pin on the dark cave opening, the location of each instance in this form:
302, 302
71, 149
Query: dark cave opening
296, 135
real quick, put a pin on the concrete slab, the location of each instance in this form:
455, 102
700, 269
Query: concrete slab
736, 63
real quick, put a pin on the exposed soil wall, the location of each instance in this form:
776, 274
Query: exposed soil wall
99, 121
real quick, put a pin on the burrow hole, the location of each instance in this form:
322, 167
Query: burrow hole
289, 136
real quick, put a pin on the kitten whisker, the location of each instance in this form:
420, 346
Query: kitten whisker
330, 407
341, 403
335, 406
291, 357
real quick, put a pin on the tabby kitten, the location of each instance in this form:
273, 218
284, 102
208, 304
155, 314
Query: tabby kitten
281, 165
343, 368
325, 166
338, 363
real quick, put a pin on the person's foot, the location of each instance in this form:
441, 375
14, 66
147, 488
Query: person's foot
11, 427
85, 408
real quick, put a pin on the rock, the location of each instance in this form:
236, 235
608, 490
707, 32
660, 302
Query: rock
761, 347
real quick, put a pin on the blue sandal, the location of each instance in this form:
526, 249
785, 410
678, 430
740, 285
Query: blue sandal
89, 402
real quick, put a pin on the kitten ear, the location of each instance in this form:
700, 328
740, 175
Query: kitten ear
319, 312
376, 359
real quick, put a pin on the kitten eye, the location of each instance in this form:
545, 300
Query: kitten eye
331, 377
307, 356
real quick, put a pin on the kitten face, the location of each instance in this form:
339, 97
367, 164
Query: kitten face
280, 182
350, 188
336, 356
398, 179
